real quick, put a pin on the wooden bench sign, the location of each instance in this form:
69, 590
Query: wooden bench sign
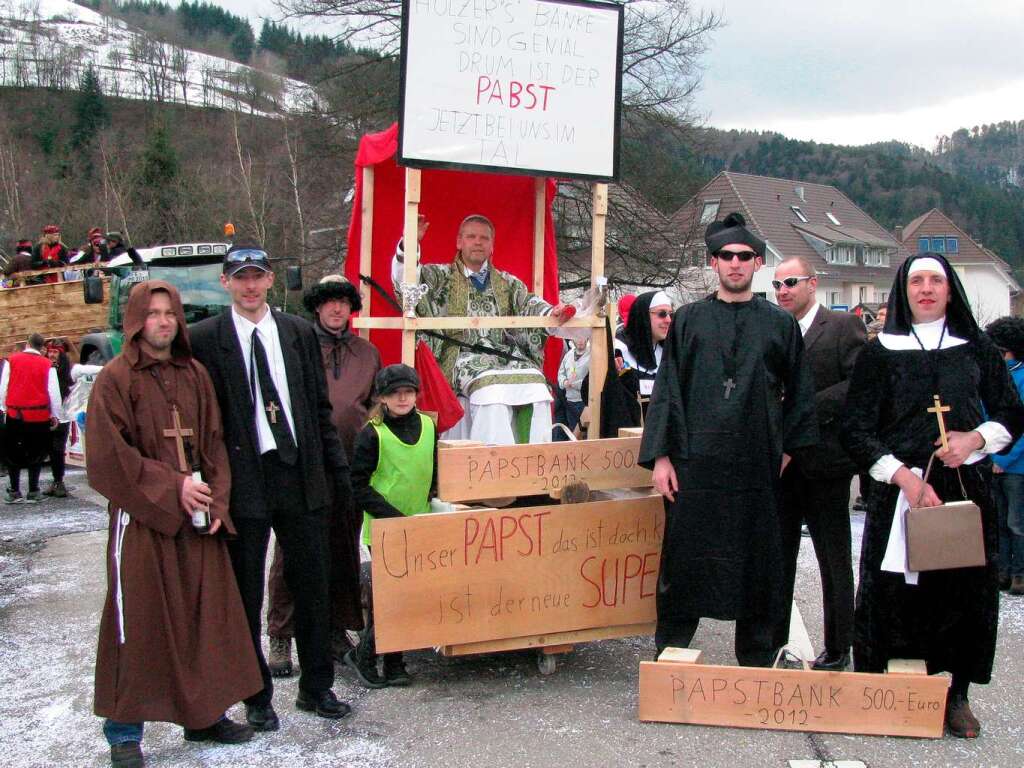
482, 472
483, 575
892, 704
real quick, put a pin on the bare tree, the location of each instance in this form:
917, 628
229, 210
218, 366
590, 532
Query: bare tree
291, 143
255, 199
181, 58
663, 43
117, 182
9, 182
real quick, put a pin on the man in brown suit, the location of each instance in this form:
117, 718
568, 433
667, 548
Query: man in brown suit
816, 483
350, 366
174, 644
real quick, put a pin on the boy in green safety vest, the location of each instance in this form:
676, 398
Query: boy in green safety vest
394, 473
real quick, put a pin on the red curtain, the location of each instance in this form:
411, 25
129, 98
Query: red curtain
447, 197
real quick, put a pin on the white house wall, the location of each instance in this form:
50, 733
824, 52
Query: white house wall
987, 291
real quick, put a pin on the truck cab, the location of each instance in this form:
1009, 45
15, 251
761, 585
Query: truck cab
193, 268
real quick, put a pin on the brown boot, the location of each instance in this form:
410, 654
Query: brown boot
127, 755
960, 721
280, 661
1017, 585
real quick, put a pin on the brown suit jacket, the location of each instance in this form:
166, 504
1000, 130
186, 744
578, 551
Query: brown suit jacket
831, 346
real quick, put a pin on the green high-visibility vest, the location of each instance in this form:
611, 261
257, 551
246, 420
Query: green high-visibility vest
403, 472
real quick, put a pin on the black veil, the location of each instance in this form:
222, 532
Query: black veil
959, 320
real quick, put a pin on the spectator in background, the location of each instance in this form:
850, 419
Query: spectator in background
20, 262
569, 402
1007, 333
94, 251
860, 504
30, 402
57, 352
49, 253
116, 246
625, 304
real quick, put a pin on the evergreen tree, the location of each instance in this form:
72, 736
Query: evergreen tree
242, 44
158, 182
90, 110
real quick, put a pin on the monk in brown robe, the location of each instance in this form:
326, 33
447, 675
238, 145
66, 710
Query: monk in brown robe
351, 364
174, 643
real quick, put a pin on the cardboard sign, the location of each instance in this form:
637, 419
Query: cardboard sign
512, 85
483, 472
793, 699
476, 576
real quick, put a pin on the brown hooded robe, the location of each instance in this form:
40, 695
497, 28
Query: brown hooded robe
179, 649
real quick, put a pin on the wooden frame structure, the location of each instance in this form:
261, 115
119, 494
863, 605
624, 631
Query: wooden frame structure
409, 325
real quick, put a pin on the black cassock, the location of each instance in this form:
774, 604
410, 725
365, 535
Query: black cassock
950, 617
722, 552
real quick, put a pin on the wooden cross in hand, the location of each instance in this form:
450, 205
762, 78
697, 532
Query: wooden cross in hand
938, 409
272, 411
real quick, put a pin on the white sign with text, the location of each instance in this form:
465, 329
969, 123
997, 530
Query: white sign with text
512, 85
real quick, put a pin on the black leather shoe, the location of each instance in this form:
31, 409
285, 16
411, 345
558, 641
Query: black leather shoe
262, 718
224, 731
324, 703
127, 755
831, 662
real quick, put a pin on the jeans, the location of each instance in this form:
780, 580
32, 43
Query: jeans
1008, 490
121, 733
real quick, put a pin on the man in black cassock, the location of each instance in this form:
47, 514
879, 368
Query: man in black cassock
931, 345
731, 400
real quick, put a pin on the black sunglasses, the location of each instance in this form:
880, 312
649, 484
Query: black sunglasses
789, 282
728, 255
661, 314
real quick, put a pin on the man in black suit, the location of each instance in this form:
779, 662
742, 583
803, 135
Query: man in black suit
816, 482
287, 466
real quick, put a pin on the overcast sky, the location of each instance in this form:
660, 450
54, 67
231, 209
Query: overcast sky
853, 72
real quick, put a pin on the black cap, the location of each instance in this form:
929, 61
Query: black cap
394, 376
245, 255
732, 231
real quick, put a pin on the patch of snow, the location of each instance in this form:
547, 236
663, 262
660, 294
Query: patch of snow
50, 43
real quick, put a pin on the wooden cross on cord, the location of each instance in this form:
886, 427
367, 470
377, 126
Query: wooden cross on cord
178, 434
938, 409
272, 411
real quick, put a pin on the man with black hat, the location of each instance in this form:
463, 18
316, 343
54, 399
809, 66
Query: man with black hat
931, 347
732, 398
350, 365
288, 466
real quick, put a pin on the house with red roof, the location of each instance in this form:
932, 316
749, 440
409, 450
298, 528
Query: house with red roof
988, 280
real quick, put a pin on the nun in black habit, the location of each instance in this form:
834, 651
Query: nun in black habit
731, 397
931, 345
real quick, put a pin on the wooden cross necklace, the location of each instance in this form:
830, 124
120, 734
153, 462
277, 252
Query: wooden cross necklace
177, 433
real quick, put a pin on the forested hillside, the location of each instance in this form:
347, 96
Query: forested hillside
893, 182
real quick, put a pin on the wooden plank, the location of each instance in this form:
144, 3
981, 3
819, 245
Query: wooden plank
366, 245
413, 180
500, 321
553, 639
53, 309
539, 211
907, 667
598, 339
631, 431
465, 474
476, 576
793, 699
681, 656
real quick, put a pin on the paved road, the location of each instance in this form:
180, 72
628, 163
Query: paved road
481, 711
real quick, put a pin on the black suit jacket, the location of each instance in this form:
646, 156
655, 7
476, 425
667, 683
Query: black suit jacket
831, 346
322, 458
